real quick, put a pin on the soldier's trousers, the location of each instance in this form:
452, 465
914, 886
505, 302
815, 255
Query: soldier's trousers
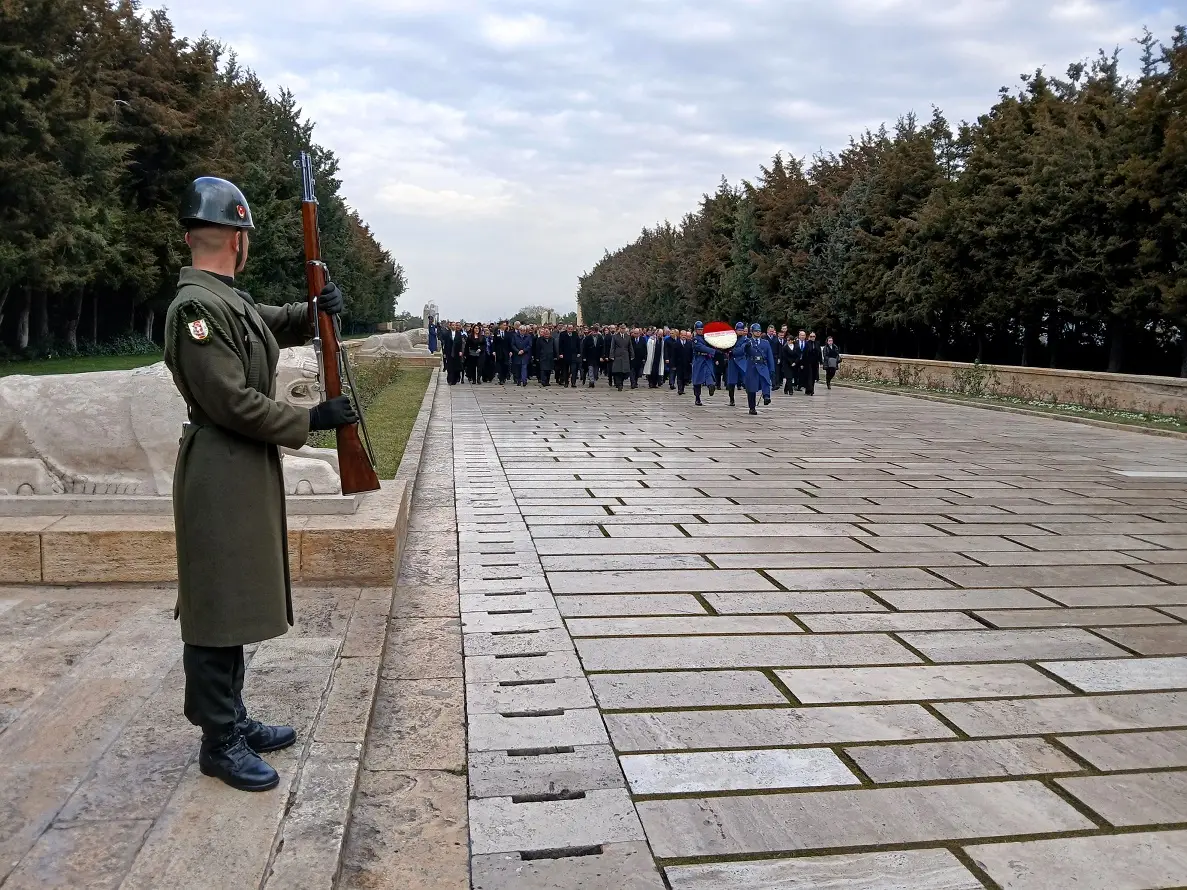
213, 687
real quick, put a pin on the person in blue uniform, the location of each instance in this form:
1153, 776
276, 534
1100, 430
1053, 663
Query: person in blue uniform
703, 354
753, 359
734, 372
432, 336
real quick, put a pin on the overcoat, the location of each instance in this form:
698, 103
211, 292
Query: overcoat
760, 365
432, 338
654, 363
545, 353
702, 362
620, 354
233, 584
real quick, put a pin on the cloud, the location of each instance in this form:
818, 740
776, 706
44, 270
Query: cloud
497, 148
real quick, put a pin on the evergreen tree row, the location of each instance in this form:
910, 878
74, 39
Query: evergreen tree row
1052, 231
105, 116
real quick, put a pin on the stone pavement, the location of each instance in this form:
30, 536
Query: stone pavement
99, 785
858, 641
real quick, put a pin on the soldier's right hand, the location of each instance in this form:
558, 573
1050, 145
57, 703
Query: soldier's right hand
332, 414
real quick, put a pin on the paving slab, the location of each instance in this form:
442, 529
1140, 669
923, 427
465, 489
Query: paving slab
684, 773
684, 689
759, 727
770, 650
1130, 800
1009, 645
936, 761
622, 866
1042, 716
829, 819
797, 602
1131, 750
544, 771
905, 870
1122, 675
500, 825
918, 683
1121, 862
1162, 640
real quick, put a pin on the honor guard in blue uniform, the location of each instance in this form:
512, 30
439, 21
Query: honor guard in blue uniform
754, 362
702, 363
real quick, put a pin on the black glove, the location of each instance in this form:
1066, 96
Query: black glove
330, 299
331, 414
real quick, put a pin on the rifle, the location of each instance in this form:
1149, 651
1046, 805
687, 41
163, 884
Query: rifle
356, 462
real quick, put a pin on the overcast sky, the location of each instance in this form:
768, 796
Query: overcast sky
497, 148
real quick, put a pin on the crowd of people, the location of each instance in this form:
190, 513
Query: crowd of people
577, 355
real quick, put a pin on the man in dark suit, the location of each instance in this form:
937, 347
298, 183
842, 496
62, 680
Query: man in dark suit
502, 350
808, 361
681, 359
776, 350
591, 354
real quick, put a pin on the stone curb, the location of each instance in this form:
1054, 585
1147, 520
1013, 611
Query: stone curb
1011, 409
310, 840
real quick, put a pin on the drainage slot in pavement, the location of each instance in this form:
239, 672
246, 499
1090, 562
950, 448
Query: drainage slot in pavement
548, 798
523, 655
561, 853
510, 633
539, 752
552, 712
509, 612
526, 682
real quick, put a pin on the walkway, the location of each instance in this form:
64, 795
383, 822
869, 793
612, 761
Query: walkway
857, 641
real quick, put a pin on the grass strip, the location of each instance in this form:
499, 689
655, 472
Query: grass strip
82, 364
391, 416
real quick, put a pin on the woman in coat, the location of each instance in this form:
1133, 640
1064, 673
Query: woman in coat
432, 336
789, 360
831, 357
475, 353
620, 356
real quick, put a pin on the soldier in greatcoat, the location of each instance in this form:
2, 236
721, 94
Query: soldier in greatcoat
233, 585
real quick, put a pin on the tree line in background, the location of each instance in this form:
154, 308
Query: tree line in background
105, 116
1053, 231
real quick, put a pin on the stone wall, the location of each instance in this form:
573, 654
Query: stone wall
1112, 392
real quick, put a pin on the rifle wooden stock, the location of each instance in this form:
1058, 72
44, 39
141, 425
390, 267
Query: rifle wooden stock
354, 461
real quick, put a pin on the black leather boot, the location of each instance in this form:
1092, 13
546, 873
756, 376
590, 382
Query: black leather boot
263, 738
228, 757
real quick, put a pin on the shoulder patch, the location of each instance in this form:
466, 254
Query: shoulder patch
199, 324
198, 330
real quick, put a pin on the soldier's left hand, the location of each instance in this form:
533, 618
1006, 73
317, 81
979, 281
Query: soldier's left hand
330, 299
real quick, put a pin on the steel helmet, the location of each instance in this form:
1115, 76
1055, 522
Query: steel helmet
696, 325
756, 328
740, 327
215, 201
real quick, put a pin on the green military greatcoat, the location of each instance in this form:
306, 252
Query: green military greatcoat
233, 584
